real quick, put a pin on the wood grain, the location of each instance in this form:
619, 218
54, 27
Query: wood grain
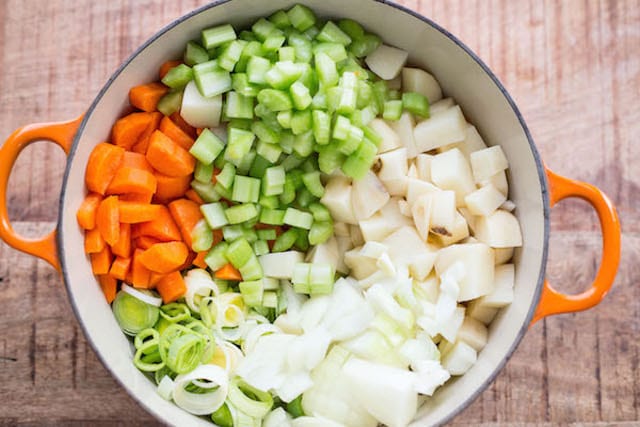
573, 67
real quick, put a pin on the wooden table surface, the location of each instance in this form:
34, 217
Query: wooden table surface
573, 67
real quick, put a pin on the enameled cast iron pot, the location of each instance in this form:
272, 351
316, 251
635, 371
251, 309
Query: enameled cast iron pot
462, 75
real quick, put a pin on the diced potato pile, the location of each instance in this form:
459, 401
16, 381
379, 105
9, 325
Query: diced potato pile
434, 205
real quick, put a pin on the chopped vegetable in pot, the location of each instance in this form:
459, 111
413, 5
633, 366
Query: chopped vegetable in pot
296, 228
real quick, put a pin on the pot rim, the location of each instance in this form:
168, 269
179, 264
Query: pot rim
536, 155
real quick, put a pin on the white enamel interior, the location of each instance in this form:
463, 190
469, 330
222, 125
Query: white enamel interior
460, 76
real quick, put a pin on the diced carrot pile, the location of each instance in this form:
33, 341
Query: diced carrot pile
140, 209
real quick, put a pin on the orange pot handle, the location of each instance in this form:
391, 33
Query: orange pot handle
554, 302
60, 133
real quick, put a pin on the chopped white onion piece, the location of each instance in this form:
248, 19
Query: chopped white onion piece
429, 375
277, 418
294, 386
252, 336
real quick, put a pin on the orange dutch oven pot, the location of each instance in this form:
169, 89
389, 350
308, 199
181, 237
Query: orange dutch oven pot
462, 75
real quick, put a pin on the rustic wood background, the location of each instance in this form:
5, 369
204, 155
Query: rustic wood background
573, 67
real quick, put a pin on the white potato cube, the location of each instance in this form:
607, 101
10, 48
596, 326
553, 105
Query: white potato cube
440, 106
405, 208
361, 266
470, 218
445, 128
337, 198
451, 171
199, 111
412, 172
503, 255
344, 244
459, 359
406, 248
417, 188
384, 222
508, 206
488, 162
404, 128
459, 231
373, 249
502, 294
428, 289
499, 181
423, 166
480, 312
484, 201
473, 332
477, 259
368, 195
501, 229
325, 253
356, 235
472, 142
392, 171
422, 264
417, 80
386, 61
341, 229
443, 212
390, 139
421, 214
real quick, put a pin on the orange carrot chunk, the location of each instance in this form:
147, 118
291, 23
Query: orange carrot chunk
193, 196
130, 180
145, 97
142, 198
143, 141
86, 214
136, 161
167, 157
186, 127
173, 131
145, 242
108, 220
171, 187
166, 66
109, 285
93, 241
133, 212
101, 261
162, 227
102, 166
139, 275
122, 247
198, 261
120, 268
171, 287
186, 214
126, 132
164, 257
228, 272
